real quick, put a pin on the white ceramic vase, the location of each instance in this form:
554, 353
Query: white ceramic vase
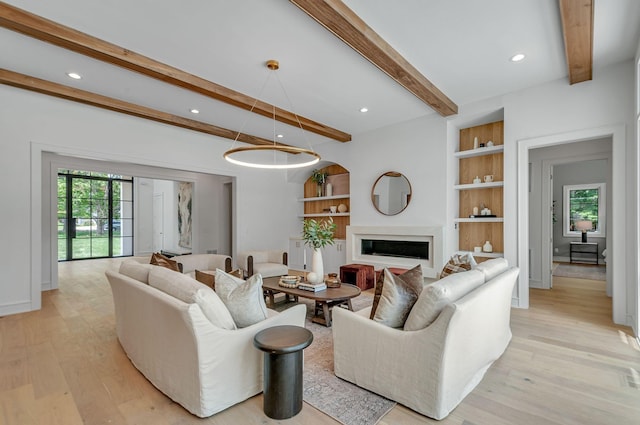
317, 266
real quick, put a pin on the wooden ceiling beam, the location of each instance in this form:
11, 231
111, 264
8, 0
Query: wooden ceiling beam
26, 82
351, 29
577, 28
45, 30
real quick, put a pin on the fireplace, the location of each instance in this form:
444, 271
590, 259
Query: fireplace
397, 246
403, 249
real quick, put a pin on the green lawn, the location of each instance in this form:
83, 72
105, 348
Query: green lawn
85, 246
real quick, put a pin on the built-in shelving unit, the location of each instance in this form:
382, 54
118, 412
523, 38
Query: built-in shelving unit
319, 206
479, 162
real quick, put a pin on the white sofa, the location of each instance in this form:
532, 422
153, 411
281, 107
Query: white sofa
432, 369
268, 263
203, 367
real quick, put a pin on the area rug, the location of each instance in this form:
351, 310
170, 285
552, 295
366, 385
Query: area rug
580, 271
342, 400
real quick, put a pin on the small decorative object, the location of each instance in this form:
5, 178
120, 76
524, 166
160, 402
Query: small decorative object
487, 247
342, 208
311, 277
333, 209
333, 281
477, 180
319, 178
475, 210
289, 281
477, 249
482, 145
475, 143
329, 190
317, 235
489, 143
488, 178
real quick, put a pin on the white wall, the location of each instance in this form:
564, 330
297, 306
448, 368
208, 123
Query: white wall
31, 124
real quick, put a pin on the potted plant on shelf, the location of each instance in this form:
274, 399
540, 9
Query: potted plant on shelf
319, 177
317, 234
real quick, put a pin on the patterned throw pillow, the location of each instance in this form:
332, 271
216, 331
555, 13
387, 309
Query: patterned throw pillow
243, 299
458, 263
158, 259
396, 296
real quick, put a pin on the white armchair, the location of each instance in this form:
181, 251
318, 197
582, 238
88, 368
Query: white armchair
432, 369
268, 263
203, 262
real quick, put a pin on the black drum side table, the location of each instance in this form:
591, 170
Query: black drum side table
282, 346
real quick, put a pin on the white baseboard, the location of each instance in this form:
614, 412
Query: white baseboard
8, 309
535, 284
561, 259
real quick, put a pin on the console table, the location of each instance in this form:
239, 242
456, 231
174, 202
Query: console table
583, 252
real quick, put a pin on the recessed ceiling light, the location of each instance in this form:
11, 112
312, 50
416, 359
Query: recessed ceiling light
517, 58
280, 136
364, 109
74, 75
194, 111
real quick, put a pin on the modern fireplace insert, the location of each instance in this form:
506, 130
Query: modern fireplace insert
391, 248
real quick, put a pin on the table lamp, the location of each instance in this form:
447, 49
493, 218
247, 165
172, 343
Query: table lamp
584, 226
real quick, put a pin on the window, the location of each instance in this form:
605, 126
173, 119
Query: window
584, 202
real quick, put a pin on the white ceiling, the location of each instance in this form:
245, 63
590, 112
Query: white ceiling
462, 46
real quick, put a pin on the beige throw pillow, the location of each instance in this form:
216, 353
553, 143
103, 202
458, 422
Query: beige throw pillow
397, 296
437, 295
190, 291
244, 299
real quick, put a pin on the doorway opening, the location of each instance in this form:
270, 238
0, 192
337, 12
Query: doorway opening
95, 215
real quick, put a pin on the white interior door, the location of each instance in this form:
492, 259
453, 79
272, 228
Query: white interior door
158, 222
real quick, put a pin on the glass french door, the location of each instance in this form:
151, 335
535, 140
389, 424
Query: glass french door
95, 215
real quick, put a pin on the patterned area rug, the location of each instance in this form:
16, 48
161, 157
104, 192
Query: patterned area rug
580, 271
342, 400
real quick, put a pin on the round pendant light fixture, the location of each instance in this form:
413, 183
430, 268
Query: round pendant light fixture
272, 156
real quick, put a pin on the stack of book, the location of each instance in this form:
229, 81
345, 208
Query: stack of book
313, 287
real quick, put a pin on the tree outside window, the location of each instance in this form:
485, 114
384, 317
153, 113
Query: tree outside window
584, 202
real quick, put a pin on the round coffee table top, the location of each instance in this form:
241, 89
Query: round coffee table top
283, 339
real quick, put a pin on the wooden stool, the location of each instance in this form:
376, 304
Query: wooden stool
361, 275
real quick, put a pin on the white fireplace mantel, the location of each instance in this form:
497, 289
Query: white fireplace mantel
434, 235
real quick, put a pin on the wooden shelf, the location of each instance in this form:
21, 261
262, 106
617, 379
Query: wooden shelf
473, 232
470, 153
324, 198
326, 215
484, 254
479, 220
318, 206
478, 186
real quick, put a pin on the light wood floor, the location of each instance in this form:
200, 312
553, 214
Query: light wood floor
567, 364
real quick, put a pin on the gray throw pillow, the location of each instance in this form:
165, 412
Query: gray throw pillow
397, 296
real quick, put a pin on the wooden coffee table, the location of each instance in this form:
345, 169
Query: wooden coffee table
325, 300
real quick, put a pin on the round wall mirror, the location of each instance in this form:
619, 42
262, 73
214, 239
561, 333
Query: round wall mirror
391, 193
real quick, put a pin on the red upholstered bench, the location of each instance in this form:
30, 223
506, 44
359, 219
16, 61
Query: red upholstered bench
395, 270
361, 275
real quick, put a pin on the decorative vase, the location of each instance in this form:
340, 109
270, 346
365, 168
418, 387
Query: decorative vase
319, 190
328, 190
317, 266
487, 247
